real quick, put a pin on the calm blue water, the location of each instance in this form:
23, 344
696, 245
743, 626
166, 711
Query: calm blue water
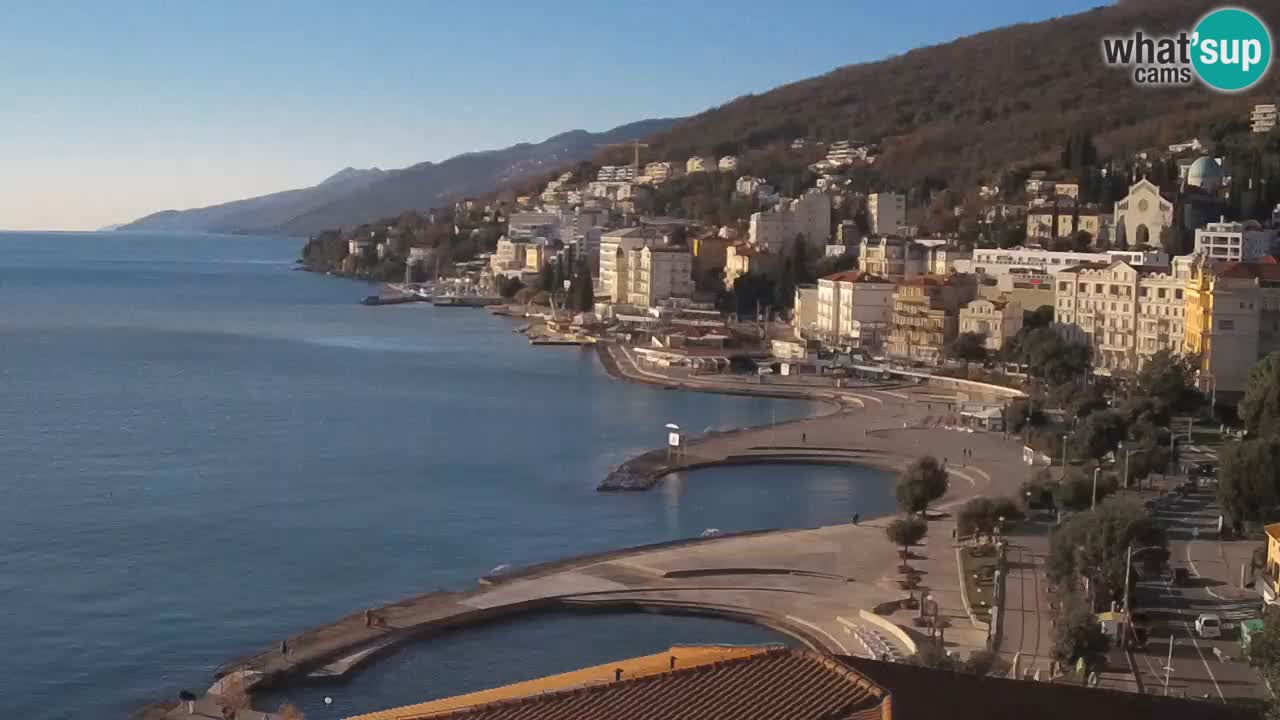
202, 450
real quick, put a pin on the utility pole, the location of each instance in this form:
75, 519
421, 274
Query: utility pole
1094, 502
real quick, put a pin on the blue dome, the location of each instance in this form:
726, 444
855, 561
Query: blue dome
1206, 174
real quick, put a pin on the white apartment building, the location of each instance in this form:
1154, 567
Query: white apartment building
1263, 118
844, 152
615, 249
804, 319
728, 163
700, 163
533, 226
1128, 313
809, 215
508, 256
998, 320
616, 173
900, 259
657, 274
886, 213
994, 262
660, 172
1235, 242
752, 186
854, 309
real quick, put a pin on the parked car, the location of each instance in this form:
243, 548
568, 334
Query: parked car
1181, 577
1209, 626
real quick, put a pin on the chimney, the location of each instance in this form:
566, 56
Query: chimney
673, 662
617, 674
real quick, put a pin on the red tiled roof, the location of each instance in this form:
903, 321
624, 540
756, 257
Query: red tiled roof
779, 684
1260, 270
917, 693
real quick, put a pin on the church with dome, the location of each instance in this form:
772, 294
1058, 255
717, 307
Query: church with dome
1143, 216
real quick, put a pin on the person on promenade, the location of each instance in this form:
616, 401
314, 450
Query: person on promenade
284, 647
804, 438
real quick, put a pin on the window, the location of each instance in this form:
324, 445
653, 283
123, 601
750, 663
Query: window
1160, 292
1177, 294
1082, 287
1226, 324
1097, 287
1064, 287
1113, 307
1142, 292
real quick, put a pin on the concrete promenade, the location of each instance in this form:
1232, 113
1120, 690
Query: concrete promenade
811, 584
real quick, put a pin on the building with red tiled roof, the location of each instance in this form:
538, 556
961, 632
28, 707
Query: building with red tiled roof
1232, 321
774, 683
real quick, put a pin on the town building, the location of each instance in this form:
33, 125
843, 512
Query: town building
615, 248
926, 316
844, 152
897, 259
804, 316
1263, 118
616, 173
886, 213
535, 256
1030, 288
744, 258
1037, 186
997, 320
1040, 223
710, 252
770, 682
809, 215
1234, 242
1142, 216
700, 163
728, 163
854, 309
655, 274
1232, 321
748, 186
1128, 313
527, 227
660, 172
995, 262
1192, 145
508, 256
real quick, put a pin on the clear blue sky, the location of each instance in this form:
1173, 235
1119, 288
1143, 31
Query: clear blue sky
111, 110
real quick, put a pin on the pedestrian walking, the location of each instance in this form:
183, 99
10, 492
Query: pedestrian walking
284, 647
368, 618
804, 438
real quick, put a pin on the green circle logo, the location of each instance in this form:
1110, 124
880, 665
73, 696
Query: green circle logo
1231, 49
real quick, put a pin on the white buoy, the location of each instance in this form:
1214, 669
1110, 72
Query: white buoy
328, 700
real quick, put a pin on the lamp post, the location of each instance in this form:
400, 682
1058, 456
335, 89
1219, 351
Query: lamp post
1094, 502
1128, 570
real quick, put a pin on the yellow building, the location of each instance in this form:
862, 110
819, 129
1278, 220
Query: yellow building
926, 316
1271, 580
1232, 320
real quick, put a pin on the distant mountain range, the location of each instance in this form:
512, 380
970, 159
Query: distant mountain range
353, 196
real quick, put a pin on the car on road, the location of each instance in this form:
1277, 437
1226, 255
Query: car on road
1209, 625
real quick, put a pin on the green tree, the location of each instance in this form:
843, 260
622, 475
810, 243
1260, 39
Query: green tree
1077, 635
933, 655
1249, 480
509, 286
1264, 648
906, 532
547, 278
581, 295
969, 347
923, 482
1166, 379
1260, 408
1076, 492
1093, 544
1038, 318
985, 662
1053, 359
1099, 433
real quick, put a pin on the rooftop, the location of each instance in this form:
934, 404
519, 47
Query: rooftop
760, 683
917, 692
854, 276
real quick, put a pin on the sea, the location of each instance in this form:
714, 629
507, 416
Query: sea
204, 449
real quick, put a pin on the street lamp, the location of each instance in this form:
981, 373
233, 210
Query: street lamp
1094, 502
1128, 570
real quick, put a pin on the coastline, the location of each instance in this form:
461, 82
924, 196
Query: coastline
332, 651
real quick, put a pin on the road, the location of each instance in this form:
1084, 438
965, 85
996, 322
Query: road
1201, 667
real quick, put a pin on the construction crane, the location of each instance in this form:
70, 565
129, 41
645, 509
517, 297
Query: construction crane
636, 145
